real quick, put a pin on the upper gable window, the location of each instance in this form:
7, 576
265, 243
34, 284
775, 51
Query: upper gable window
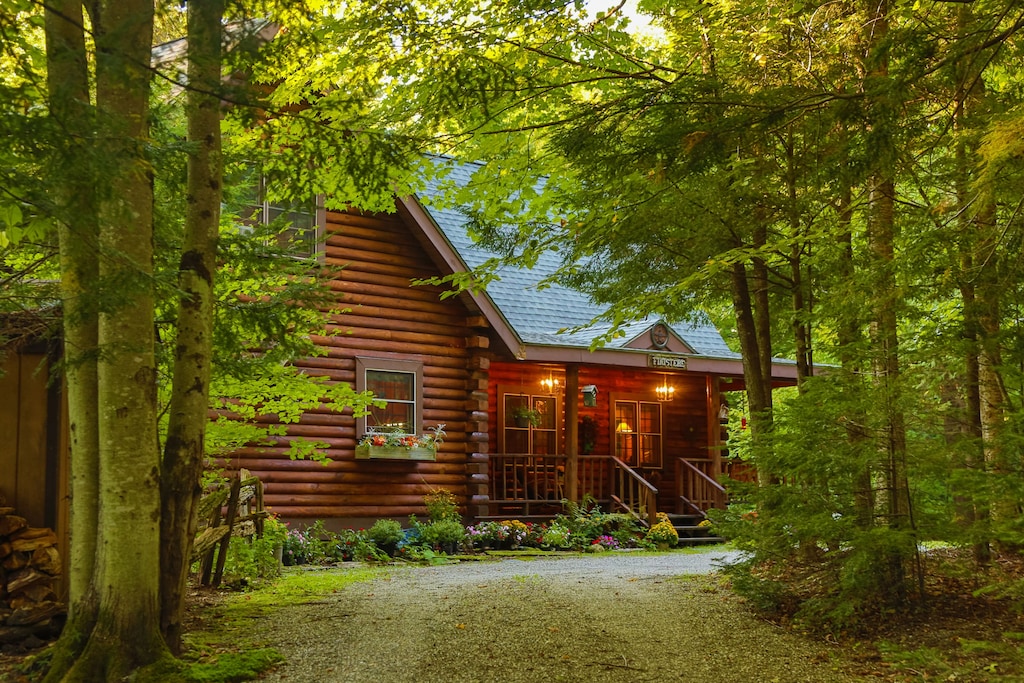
303, 222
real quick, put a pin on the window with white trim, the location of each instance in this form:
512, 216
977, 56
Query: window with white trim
399, 385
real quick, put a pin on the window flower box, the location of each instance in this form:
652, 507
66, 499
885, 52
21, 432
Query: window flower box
370, 452
379, 444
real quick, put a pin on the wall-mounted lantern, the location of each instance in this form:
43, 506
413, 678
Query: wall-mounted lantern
589, 395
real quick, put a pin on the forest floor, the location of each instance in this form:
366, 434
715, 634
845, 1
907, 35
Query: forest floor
965, 629
464, 622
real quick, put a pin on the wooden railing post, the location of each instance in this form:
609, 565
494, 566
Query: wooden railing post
696, 489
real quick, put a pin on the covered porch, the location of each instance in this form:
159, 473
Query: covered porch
635, 437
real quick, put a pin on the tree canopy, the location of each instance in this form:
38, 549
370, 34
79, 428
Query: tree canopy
833, 182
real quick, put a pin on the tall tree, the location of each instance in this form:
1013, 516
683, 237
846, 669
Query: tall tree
78, 235
881, 125
114, 625
184, 445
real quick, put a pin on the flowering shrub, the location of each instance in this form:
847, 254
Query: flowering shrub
444, 533
441, 505
608, 542
510, 532
316, 545
663, 532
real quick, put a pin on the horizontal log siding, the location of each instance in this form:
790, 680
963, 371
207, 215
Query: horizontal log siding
379, 315
684, 418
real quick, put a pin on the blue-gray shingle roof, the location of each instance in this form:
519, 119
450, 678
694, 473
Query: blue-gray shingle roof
537, 315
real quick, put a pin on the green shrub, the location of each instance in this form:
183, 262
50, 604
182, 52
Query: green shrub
587, 522
250, 558
442, 533
556, 535
385, 533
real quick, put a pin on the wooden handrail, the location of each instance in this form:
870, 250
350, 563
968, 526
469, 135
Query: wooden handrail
633, 493
696, 489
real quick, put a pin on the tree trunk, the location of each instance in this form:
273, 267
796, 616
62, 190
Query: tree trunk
991, 393
801, 304
78, 236
758, 392
849, 335
762, 308
967, 94
123, 585
187, 416
885, 340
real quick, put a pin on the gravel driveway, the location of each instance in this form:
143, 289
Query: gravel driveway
604, 617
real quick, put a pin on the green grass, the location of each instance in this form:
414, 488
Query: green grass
228, 649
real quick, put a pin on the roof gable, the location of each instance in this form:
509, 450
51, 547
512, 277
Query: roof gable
554, 315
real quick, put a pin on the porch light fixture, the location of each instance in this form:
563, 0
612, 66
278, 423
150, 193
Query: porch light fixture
665, 392
550, 384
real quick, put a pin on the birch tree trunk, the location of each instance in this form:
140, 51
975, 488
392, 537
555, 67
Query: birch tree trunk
70, 110
184, 449
124, 582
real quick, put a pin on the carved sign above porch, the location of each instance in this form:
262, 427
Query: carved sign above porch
665, 361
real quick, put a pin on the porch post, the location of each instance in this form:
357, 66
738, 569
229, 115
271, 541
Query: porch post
572, 437
714, 428
715, 425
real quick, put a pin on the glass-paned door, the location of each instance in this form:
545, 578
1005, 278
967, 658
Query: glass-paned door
530, 424
649, 443
638, 433
625, 432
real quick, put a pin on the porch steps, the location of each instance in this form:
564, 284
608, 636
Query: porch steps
690, 532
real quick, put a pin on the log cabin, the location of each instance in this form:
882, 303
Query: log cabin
532, 415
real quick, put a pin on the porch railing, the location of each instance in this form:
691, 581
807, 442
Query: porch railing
633, 493
534, 485
698, 491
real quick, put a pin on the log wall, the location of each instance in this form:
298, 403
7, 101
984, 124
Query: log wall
383, 317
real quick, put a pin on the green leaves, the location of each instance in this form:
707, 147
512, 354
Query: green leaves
16, 228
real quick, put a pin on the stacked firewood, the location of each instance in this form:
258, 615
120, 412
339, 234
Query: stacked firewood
30, 566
